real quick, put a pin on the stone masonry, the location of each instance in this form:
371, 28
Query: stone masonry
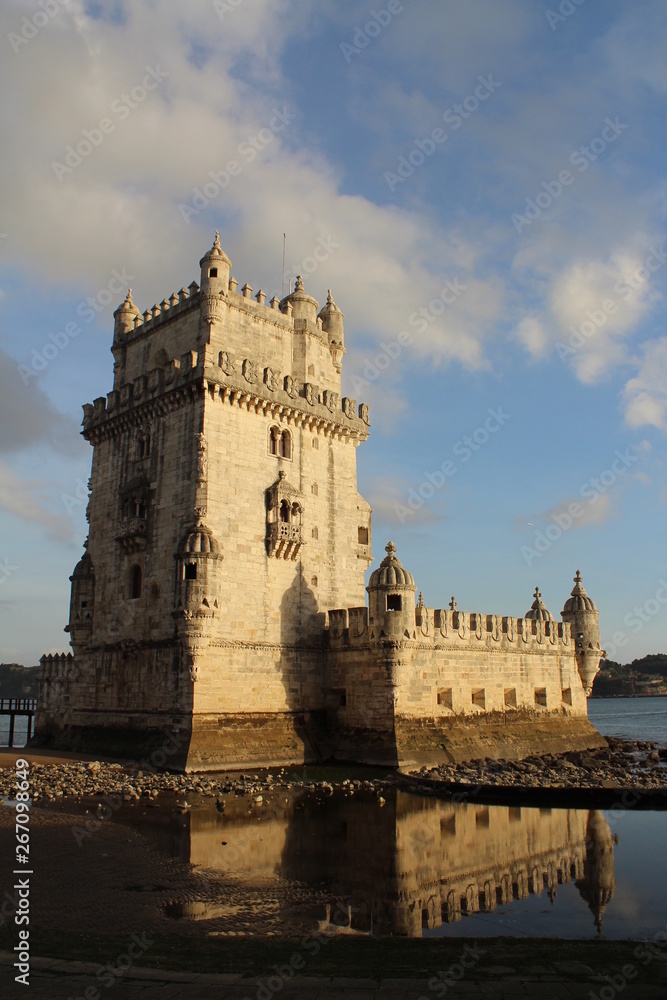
225, 523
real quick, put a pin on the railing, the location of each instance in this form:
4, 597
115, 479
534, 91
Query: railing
18, 706
14, 707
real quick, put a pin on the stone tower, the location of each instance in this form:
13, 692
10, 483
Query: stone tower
224, 521
580, 611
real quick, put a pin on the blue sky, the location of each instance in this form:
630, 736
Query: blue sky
487, 181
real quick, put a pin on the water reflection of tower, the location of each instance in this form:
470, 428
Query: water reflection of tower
598, 884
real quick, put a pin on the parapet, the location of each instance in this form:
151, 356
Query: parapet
438, 627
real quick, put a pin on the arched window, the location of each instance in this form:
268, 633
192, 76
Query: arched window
286, 444
284, 511
135, 583
274, 440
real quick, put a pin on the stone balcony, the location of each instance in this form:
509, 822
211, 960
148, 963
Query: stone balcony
284, 539
131, 532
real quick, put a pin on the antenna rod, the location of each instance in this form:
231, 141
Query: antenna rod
282, 287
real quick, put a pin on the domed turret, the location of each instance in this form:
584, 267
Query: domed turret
124, 317
598, 884
304, 306
580, 611
80, 624
538, 612
391, 595
332, 324
215, 267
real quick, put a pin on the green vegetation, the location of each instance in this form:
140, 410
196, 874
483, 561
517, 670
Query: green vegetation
17, 681
641, 677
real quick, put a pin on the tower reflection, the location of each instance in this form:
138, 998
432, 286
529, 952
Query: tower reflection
410, 864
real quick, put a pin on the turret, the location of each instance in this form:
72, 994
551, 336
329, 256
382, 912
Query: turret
580, 611
304, 306
391, 597
538, 612
80, 625
332, 324
123, 318
197, 585
215, 266
598, 884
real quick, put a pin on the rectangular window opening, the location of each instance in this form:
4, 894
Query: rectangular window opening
362, 535
190, 571
510, 697
479, 698
445, 698
394, 602
540, 697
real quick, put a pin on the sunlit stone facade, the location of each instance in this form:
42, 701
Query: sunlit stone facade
225, 525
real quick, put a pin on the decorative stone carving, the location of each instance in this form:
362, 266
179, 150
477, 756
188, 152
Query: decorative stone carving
349, 406
249, 370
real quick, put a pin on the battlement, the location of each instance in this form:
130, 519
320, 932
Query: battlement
348, 627
56, 666
235, 380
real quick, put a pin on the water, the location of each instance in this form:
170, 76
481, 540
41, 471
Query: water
20, 730
409, 866
631, 718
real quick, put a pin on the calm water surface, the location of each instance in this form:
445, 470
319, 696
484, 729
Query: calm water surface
632, 718
417, 866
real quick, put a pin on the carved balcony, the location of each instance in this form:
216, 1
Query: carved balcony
131, 532
284, 539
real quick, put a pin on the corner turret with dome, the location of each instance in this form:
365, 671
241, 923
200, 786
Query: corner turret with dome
582, 614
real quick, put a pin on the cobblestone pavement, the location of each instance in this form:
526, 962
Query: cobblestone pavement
53, 979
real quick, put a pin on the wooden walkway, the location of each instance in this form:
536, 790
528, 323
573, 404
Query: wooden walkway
14, 707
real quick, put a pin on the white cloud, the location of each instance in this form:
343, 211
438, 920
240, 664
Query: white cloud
645, 396
24, 499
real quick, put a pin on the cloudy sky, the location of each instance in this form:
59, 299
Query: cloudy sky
485, 183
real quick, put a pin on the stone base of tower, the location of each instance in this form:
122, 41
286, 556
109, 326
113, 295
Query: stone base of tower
151, 741
247, 739
511, 735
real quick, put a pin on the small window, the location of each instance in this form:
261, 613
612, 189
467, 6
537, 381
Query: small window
540, 697
315, 533
479, 698
510, 697
138, 509
316, 443
274, 439
314, 490
213, 272
311, 369
286, 444
445, 698
515, 814
313, 581
135, 583
84, 604
362, 535
394, 602
284, 511
190, 571
567, 696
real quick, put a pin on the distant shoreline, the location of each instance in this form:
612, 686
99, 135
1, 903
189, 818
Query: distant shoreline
610, 697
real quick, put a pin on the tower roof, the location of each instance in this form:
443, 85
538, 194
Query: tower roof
330, 309
579, 599
538, 610
390, 572
216, 253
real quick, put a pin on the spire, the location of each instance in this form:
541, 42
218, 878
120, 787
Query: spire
390, 549
452, 604
298, 286
538, 610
